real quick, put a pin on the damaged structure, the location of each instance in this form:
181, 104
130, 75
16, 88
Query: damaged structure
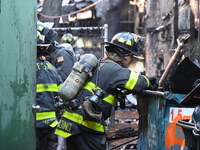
171, 32
172, 53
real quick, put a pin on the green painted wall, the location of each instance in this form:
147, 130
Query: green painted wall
17, 73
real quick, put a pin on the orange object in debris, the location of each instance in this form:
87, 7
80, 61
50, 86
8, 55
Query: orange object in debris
172, 136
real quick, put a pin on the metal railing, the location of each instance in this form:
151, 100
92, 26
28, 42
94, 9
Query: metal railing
92, 37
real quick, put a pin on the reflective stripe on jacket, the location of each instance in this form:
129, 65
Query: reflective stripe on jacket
48, 84
68, 124
48, 118
108, 77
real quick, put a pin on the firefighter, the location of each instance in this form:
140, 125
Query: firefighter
62, 59
84, 125
48, 83
49, 33
69, 38
59, 56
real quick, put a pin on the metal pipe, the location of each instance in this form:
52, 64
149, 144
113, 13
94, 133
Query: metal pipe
170, 65
105, 37
131, 140
78, 28
112, 117
182, 41
158, 93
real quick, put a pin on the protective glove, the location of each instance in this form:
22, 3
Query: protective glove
153, 83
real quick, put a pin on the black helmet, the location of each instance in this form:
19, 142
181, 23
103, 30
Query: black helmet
68, 38
124, 43
40, 41
43, 29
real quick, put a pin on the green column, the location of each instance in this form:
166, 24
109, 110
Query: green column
17, 74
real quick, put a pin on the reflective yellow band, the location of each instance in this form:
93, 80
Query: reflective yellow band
59, 86
62, 133
122, 40
47, 87
110, 98
54, 123
89, 86
148, 82
79, 119
130, 84
45, 115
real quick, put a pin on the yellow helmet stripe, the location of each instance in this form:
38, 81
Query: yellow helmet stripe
121, 40
40, 28
129, 42
64, 38
135, 39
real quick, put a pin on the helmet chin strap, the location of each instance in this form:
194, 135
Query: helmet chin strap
116, 53
122, 57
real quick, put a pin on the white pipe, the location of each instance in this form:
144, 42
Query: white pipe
105, 37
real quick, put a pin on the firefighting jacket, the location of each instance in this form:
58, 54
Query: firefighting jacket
48, 83
63, 60
108, 77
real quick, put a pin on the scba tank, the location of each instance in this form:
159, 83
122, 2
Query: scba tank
81, 71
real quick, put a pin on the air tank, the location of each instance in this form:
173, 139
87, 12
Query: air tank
81, 71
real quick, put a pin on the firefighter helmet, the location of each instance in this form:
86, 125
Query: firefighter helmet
41, 47
40, 40
68, 38
42, 28
124, 43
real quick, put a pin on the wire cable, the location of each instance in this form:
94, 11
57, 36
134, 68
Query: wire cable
72, 12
